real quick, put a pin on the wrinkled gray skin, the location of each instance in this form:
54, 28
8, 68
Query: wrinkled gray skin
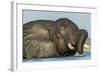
68, 32
46, 38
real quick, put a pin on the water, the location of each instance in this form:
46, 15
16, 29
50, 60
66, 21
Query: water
86, 57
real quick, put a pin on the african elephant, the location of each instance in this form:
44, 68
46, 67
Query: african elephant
68, 37
48, 38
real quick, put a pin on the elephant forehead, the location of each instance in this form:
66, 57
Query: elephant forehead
73, 35
72, 31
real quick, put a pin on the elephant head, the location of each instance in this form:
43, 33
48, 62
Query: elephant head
68, 38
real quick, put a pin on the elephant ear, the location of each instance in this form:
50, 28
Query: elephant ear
53, 32
83, 34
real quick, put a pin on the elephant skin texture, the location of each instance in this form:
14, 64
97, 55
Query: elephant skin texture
48, 38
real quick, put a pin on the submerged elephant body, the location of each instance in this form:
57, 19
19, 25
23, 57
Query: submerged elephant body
46, 38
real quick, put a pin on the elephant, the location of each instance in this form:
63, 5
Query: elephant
48, 38
68, 37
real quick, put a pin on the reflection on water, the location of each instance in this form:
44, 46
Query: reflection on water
86, 57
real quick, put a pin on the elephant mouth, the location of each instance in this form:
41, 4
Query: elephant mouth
70, 50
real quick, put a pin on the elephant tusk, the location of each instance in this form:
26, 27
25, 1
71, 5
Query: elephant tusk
70, 46
86, 46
